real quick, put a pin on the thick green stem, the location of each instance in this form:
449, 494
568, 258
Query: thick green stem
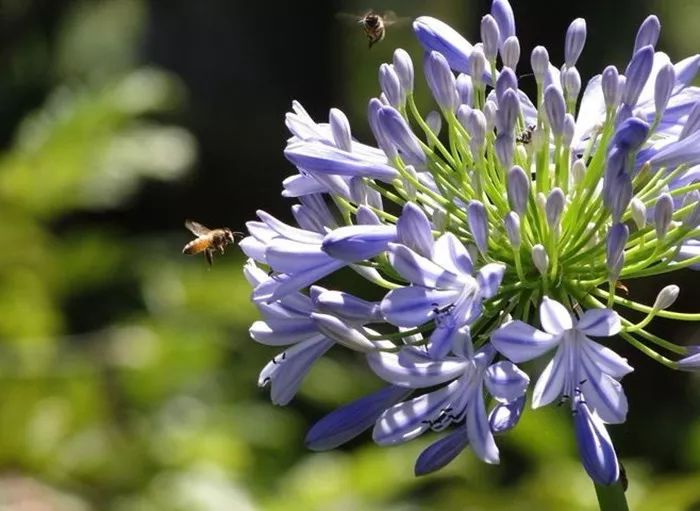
611, 497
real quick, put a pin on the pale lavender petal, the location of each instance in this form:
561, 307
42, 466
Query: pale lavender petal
253, 249
342, 333
479, 430
285, 256
550, 384
595, 447
407, 420
350, 420
521, 342
489, 278
436, 35
286, 371
554, 317
348, 306
442, 452
287, 231
280, 332
354, 243
443, 338
451, 254
606, 359
301, 184
419, 270
603, 393
599, 323
505, 381
414, 231
690, 363
278, 286
414, 305
394, 369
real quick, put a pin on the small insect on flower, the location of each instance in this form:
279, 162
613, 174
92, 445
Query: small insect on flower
208, 240
374, 24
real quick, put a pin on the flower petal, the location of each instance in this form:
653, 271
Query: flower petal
348, 421
554, 317
414, 231
407, 420
286, 256
398, 371
442, 452
435, 35
419, 270
279, 286
286, 371
348, 306
599, 323
489, 278
280, 332
287, 231
550, 384
505, 381
479, 430
606, 359
354, 243
414, 305
452, 255
505, 416
521, 342
595, 447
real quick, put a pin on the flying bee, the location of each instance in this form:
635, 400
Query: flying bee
208, 240
374, 24
526, 136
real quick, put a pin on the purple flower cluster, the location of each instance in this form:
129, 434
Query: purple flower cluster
497, 229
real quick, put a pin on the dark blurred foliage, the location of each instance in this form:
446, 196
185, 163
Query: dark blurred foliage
127, 379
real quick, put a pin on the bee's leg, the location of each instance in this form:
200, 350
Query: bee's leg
221, 250
210, 258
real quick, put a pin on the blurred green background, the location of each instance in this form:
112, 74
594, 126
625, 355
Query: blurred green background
127, 378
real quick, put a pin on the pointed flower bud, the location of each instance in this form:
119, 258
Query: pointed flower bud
648, 33
398, 132
476, 126
478, 225
505, 149
506, 81
615, 249
413, 230
630, 134
383, 141
434, 34
663, 211
637, 74
441, 81
465, 90
403, 65
434, 121
503, 14
578, 171
639, 213
539, 60
508, 112
555, 107
510, 54
574, 42
512, 226
340, 129
477, 66
665, 81
554, 207
540, 259
389, 82
610, 84
518, 187
490, 36
568, 130
571, 82
490, 114
594, 445
666, 297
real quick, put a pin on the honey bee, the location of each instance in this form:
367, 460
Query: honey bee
208, 240
374, 24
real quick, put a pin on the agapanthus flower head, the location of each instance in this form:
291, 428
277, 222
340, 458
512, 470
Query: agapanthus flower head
496, 229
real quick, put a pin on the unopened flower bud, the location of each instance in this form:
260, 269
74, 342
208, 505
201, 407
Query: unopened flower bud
403, 66
571, 82
639, 213
578, 171
439, 219
518, 188
637, 74
478, 225
610, 84
692, 124
476, 126
477, 65
490, 109
648, 33
340, 129
665, 81
568, 129
574, 42
554, 207
618, 235
666, 297
539, 60
465, 90
555, 107
510, 54
389, 82
490, 36
540, 259
506, 81
441, 81
663, 212
434, 121
502, 12
505, 148
508, 112
692, 219
512, 226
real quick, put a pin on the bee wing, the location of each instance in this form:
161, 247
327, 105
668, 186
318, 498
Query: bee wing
196, 228
390, 18
348, 18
